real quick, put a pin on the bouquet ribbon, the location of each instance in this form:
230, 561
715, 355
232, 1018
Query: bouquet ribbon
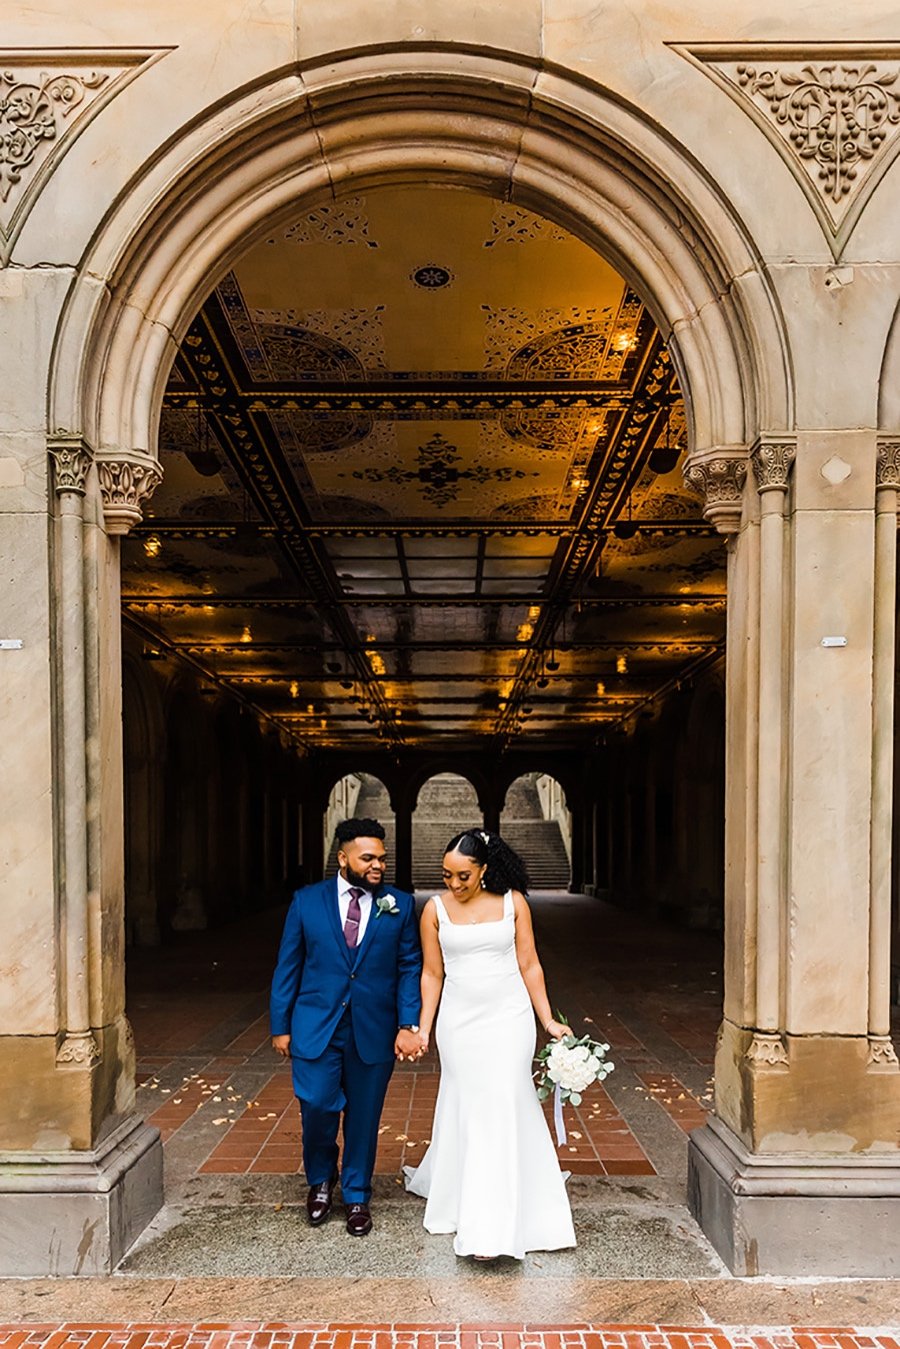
559, 1122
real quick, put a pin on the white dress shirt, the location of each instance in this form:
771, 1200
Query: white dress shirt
365, 905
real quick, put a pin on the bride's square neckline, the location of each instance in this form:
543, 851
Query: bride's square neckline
477, 922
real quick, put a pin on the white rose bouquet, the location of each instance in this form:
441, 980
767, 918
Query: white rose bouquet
566, 1068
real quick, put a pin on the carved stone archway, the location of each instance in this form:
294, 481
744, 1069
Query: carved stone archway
521, 130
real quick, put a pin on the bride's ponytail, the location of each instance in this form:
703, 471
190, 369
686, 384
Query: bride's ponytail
505, 868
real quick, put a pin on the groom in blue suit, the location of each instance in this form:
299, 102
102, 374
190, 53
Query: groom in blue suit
345, 1002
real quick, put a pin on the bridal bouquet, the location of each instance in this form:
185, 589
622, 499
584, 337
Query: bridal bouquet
566, 1068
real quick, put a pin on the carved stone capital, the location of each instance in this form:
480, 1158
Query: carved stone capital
767, 1052
719, 477
882, 1056
887, 466
78, 1050
71, 460
127, 480
772, 462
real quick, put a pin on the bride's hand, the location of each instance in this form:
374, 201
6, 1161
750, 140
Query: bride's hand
557, 1030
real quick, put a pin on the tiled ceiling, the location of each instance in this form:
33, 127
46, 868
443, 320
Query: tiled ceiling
421, 483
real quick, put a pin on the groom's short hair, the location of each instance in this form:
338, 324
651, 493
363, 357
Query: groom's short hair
348, 830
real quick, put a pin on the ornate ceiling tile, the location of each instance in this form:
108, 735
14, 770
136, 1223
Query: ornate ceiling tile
340, 222
47, 98
513, 225
359, 330
831, 112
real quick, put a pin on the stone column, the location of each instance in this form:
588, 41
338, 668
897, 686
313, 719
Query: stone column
887, 485
80, 1173
403, 860
798, 1170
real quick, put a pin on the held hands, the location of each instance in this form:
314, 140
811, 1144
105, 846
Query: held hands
411, 1044
282, 1045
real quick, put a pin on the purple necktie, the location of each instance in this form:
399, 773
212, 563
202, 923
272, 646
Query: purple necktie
351, 927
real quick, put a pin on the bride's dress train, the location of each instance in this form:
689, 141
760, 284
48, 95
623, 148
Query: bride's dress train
491, 1174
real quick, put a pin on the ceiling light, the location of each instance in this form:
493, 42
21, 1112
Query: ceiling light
152, 545
621, 664
553, 663
543, 682
624, 341
346, 683
153, 653
295, 689
601, 688
247, 635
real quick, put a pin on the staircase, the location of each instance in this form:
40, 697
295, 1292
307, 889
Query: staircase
372, 803
538, 841
447, 805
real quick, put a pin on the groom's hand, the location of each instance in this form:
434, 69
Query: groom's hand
408, 1045
282, 1045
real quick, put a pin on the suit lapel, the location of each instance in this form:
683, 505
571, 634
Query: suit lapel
371, 926
334, 917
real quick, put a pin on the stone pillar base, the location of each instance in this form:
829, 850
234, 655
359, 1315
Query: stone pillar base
798, 1213
65, 1213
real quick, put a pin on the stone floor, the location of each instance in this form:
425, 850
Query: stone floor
232, 1245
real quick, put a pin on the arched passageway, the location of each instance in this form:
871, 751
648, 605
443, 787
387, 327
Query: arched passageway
447, 804
683, 354
537, 822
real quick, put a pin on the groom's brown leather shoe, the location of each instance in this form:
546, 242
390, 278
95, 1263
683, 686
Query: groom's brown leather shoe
318, 1201
359, 1220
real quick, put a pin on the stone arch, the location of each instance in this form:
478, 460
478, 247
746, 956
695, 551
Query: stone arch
491, 121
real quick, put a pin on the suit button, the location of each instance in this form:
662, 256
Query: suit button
352, 976
343, 1004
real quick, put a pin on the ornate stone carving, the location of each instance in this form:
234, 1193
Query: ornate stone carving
887, 465
71, 460
719, 477
78, 1050
833, 114
767, 1051
47, 98
882, 1054
772, 462
126, 481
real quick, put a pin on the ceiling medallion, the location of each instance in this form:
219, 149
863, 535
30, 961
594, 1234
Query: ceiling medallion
431, 276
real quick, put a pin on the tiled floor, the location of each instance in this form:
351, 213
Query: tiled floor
254, 1335
653, 993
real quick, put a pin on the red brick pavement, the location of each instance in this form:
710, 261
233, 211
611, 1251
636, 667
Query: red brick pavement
258, 1335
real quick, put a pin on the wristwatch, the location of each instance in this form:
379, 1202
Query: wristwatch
410, 1026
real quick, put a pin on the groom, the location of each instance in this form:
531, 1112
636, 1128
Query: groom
345, 1001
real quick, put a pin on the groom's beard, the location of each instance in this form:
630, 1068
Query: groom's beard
359, 878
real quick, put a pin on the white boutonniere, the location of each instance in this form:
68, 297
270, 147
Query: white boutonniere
386, 904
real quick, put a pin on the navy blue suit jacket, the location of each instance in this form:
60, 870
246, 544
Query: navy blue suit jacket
318, 977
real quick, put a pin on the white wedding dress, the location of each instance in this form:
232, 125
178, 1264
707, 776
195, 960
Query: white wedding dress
491, 1174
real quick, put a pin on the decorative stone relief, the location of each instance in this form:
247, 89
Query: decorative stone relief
767, 1051
772, 461
76, 1051
71, 461
882, 1054
340, 222
127, 480
719, 476
887, 465
47, 98
832, 113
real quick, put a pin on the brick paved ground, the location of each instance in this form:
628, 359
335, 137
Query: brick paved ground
257, 1335
654, 993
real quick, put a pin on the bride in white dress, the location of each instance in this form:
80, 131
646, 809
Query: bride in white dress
491, 1174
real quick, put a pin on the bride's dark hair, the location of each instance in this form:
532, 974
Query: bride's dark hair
505, 868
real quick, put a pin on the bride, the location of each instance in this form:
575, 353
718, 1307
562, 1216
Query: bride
491, 1174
